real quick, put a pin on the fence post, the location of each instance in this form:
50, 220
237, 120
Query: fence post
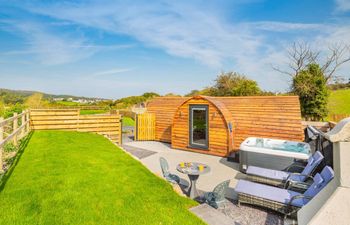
78, 119
15, 126
23, 121
1, 148
136, 128
121, 128
28, 120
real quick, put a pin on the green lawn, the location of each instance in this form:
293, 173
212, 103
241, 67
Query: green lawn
67, 103
339, 102
127, 121
92, 111
81, 178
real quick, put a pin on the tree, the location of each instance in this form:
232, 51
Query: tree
234, 84
150, 95
310, 84
11, 97
171, 95
339, 83
301, 55
206, 91
192, 93
2, 108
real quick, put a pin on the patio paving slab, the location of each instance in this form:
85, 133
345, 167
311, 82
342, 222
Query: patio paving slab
137, 152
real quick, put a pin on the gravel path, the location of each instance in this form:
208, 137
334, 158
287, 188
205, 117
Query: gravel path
249, 215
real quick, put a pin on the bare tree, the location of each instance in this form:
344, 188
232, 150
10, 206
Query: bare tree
340, 54
301, 55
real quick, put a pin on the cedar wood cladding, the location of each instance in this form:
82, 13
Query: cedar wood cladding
254, 116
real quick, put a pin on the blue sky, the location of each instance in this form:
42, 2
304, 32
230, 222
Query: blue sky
118, 48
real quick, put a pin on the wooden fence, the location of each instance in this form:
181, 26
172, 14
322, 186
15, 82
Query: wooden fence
12, 130
70, 119
145, 127
338, 117
81, 107
323, 126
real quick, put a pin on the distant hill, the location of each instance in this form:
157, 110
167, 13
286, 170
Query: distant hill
18, 95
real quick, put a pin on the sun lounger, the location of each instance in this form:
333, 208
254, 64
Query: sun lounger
280, 178
281, 200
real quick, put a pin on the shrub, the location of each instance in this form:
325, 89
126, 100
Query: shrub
10, 110
10, 147
310, 85
234, 84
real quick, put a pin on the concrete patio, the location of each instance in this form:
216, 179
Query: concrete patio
220, 168
148, 152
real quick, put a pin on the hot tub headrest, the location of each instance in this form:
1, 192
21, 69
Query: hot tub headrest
341, 132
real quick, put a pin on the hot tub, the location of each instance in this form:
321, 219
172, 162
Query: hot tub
271, 153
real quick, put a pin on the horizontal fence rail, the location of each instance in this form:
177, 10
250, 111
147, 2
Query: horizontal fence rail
338, 117
12, 130
82, 107
70, 119
323, 126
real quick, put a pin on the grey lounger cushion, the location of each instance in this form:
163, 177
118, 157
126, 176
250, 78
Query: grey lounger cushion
313, 162
268, 192
283, 195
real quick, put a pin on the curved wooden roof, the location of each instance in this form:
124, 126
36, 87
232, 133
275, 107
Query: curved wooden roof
217, 103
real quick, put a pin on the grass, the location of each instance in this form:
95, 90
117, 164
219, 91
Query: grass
67, 177
127, 121
67, 103
339, 102
92, 111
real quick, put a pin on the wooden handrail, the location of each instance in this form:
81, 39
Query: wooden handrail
16, 132
8, 120
8, 138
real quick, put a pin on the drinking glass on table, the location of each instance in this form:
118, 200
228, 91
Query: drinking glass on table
200, 167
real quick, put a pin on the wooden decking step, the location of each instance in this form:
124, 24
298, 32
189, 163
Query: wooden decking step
211, 216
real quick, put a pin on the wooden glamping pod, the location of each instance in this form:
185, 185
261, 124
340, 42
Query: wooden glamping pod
218, 125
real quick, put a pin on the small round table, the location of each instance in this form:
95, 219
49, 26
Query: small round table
193, 173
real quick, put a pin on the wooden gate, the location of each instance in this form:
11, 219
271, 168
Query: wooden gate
145, 127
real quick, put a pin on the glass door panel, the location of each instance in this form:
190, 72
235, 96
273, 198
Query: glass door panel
199, 126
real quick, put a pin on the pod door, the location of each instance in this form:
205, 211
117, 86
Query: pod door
198, 126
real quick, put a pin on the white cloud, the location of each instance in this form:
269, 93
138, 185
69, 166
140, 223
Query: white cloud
343, 5
285, 27
180, 29
190, 30
50, 47
112, 71
38, 50
338, 36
